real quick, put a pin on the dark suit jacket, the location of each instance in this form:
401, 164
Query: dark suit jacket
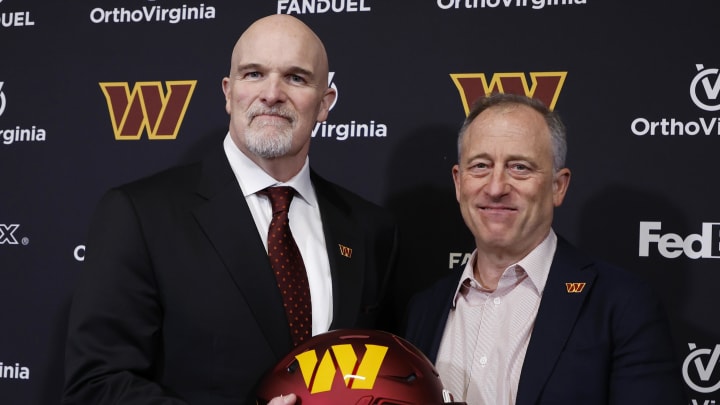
608, 344
177, 302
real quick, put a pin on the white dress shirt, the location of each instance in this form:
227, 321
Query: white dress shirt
487, 332
305, 224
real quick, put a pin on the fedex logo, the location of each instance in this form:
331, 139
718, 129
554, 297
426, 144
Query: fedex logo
705, 245
7, 234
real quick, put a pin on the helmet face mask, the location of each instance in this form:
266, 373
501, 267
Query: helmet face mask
354, 367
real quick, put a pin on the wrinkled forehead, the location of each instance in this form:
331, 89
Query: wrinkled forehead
281, 38
512, 126
514, 118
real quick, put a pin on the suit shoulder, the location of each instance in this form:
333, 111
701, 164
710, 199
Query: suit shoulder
618, 281
168, 187
342, 197
171, 178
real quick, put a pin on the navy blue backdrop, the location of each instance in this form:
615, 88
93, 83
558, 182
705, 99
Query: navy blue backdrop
637, 83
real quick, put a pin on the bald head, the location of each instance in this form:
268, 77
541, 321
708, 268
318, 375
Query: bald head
287, 36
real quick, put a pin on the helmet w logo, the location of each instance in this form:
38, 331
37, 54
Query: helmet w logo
147, 108
319, 376
544, 86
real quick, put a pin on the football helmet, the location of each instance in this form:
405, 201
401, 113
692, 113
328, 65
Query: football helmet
355, 367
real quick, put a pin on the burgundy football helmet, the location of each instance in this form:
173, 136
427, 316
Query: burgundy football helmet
355, 367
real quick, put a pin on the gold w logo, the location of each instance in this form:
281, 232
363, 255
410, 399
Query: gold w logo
319, 376
148, 108
345, 251
544, 86
574, 287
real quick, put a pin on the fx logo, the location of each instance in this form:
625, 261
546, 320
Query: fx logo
148, 108
3, 102
709, 100
319, 376
545, 86
7, 234
703, 361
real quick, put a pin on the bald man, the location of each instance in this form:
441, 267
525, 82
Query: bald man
177, 302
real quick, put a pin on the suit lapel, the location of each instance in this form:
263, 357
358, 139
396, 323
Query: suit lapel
555, 320
438, 313
226, 220
346, 253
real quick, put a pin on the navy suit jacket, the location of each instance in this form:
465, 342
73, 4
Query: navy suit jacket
177, 303
608, 344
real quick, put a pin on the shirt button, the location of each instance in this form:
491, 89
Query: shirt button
497, 301
483, 361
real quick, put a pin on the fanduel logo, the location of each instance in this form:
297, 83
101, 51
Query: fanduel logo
705, 93
319, 376
671, 245
320, 6
544, 86
352, 129
458, 258
698, 369
147, 108
16, 19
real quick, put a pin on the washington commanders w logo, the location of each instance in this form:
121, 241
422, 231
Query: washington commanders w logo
574, 288
147, 108
544, 86
319, 376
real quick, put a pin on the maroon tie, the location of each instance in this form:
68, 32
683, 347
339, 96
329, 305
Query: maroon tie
288, 266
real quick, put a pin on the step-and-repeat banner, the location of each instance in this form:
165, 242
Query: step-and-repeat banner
637, 83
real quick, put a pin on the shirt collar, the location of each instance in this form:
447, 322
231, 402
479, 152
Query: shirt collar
252, 178
536, 264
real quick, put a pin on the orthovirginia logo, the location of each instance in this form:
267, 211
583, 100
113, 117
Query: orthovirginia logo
319, 376
18, 134
705, 94
14, 372
148, 108
3, 101
544, 86
352, 129
698, 369
535, 4
174, 15
707, 99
